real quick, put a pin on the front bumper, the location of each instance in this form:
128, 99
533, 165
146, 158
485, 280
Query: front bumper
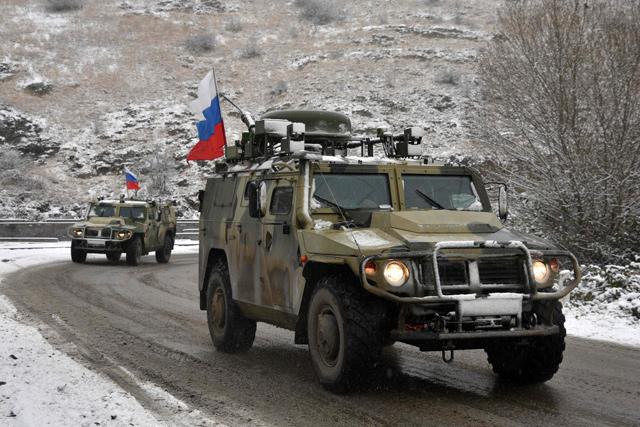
564, 286
429, 341
480, 302
100, 246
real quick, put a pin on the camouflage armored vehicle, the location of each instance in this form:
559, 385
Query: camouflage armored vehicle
130, 226
357, 252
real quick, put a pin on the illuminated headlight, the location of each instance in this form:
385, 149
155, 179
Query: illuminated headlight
76, 232
396, 273
123, 234
541, 272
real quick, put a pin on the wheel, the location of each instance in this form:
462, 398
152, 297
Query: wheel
535, 360
346, 330
77, 255
113, 256
134, 251
230, 331
164, 254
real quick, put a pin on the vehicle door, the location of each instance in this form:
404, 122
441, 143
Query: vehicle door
151, 236
243, 240
279, 249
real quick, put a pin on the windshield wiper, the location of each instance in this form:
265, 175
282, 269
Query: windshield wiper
341, 210
429, 200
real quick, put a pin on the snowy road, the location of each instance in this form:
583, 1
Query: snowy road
142, 326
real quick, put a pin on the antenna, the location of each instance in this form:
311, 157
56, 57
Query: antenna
245, 116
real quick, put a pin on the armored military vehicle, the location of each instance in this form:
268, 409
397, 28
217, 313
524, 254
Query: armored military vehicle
130, 226
357, 252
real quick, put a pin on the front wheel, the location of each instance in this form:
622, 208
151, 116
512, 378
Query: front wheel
164, 254
113, 256
134, 251
230, 331
536, 360
77, 255
345, 327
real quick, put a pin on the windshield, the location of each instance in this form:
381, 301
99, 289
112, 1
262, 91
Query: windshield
450, 192
102, 210
351, 191
136, 213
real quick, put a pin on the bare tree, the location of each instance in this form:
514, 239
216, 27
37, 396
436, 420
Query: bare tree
561, 82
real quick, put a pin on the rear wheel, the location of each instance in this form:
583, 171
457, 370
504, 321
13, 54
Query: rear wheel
230, 331
114, 256
134, 251
77, 255
164, 254
535, 360
345, 326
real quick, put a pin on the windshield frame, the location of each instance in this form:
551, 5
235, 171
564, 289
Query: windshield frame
358, 170
476, 182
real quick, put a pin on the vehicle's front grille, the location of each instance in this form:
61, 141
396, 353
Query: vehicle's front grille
501, 271
453, 272
98, 233
496, 275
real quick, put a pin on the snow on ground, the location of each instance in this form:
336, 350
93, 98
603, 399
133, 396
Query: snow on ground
40, 385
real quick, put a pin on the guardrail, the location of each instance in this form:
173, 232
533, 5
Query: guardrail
24, 230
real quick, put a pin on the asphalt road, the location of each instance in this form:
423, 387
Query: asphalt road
147, 321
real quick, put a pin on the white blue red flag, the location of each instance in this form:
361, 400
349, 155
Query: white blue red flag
211, 135
132, 180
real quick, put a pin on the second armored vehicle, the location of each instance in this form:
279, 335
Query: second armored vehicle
130, 226
354, 253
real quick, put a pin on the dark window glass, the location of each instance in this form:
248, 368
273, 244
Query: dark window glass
102, 210
351, 191
440, 192
135, 213
281, 200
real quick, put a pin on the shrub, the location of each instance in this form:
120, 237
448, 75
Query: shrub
63, 5
251, 49
561, 82
321, 12
233, 25
201, 43
280, 88
448, 77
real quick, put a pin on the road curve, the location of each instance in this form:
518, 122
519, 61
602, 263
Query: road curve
146, 320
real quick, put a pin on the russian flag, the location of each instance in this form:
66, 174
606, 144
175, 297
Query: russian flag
211, 135
132, 180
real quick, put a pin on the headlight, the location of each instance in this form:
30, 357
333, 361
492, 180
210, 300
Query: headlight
76, 232
123, 234
396, 273
541, 272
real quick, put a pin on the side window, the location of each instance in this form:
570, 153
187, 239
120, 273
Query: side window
281, 201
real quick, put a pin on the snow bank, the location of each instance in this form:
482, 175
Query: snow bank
40, 385
606, 304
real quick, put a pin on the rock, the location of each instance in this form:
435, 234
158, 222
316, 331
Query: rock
38, 88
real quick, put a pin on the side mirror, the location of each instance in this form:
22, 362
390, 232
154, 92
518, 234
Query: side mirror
200, 200
254, 200
257, 199
503, 203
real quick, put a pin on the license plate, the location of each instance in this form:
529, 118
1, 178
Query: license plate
95, 242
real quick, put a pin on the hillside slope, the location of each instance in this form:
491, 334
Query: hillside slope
84, 92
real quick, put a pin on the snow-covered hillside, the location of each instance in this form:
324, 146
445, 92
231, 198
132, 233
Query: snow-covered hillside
85, 91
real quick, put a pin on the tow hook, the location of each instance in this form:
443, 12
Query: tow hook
450, 349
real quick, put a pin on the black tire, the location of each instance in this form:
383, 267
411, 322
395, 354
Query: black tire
163, 255
134, 251
113, 257
346, 330
77, 255
536, 360
230, 331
